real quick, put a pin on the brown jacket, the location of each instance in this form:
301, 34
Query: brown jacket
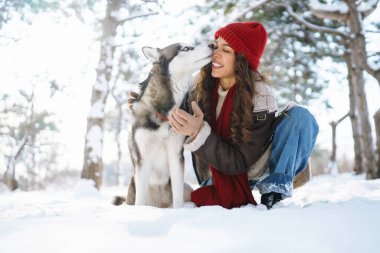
208, 149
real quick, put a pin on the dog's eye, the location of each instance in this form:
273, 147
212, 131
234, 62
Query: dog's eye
187, 49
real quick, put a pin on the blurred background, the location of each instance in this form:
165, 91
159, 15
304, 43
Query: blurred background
66, 67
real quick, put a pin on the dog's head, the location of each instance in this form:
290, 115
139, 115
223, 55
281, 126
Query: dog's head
180, 59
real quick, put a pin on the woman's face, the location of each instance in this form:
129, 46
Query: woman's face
223, 60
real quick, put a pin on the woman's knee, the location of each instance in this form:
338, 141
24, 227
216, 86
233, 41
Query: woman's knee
302, 116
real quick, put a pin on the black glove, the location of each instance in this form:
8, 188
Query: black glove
271, 198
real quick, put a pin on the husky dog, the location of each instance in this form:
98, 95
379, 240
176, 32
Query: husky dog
156, 150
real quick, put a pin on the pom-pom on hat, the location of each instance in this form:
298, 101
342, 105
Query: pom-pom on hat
248, 38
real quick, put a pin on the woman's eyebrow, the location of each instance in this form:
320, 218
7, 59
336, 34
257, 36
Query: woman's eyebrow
224, 44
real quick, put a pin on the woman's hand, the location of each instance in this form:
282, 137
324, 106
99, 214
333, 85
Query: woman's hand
185, 123
132, 96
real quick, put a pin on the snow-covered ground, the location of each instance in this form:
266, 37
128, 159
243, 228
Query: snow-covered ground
329, 214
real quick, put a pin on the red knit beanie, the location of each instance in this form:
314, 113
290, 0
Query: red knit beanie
248, 38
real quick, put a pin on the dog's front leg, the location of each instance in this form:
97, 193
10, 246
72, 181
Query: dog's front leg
142, 175
177, 182
176, 169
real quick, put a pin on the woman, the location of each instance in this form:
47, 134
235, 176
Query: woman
233, 123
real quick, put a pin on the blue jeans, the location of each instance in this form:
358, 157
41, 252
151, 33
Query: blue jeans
293, 142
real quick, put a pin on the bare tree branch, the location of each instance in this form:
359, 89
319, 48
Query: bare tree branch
313, 26
136, 16
21, 145
341, 119
125, 43
251, 8
371, 31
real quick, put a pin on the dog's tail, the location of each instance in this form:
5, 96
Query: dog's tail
130, 198
119, 200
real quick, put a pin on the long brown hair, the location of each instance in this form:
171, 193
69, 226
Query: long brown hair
241, 117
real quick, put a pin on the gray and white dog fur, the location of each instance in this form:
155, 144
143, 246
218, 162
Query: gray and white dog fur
156, 150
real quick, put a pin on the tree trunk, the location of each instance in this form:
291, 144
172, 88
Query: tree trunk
118, 140
333, 168
9, 175
376, 172
356, 17
93, 164
355, 124
356, 45
361, 129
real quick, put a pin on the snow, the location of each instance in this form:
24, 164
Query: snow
101, 84
368, 5
341, 7
329, 214
97, 110
94, 141
375, 65
121, 14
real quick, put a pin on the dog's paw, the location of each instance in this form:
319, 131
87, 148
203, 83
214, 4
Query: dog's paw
118, 200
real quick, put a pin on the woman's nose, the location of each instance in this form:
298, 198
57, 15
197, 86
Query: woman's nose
216, 52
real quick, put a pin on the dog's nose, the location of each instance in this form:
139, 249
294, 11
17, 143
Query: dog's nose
212, 46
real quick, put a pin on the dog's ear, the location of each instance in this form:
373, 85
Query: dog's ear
152, 54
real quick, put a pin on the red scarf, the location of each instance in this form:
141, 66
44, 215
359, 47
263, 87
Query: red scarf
227, 191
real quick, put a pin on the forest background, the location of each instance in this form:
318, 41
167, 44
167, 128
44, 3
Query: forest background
66, 67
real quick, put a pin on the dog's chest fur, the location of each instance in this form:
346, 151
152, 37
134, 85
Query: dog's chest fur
157, 147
